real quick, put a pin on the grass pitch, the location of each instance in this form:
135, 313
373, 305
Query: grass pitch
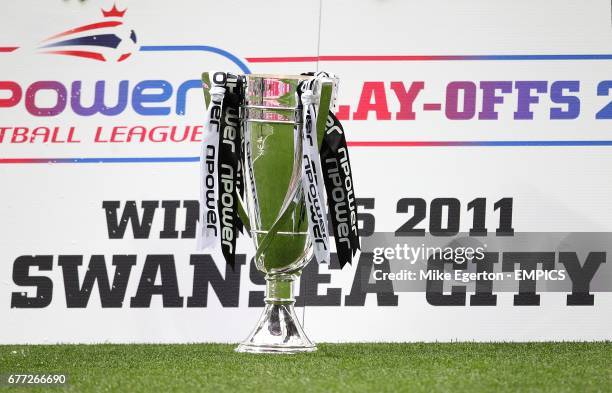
454, 367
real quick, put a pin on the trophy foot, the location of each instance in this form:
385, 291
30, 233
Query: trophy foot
278, 329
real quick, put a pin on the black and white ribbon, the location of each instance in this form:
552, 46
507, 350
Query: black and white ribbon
208, 223
312, 174
340, 190
221, 167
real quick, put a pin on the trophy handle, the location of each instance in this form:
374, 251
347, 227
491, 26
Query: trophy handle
325, 104
242, 212
294, 195
206, 87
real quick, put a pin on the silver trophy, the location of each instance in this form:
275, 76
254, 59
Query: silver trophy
274, 210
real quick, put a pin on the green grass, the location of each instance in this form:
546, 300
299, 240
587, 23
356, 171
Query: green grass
454, 367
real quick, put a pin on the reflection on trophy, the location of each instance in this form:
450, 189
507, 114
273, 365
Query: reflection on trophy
271, 202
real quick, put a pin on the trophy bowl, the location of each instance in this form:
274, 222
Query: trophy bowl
274, 200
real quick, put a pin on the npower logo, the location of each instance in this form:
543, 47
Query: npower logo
106, 40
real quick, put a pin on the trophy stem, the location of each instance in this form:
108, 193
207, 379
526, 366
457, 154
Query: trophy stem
278, 329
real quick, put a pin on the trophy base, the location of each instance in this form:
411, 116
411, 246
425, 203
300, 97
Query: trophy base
278, 329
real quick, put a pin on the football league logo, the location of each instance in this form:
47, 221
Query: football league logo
106, 40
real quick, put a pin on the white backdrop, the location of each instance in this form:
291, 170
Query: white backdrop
52, 193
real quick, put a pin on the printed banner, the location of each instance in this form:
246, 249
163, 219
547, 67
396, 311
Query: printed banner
480, 159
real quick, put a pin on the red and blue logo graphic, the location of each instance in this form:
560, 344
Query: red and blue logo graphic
106, 40
111, 40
